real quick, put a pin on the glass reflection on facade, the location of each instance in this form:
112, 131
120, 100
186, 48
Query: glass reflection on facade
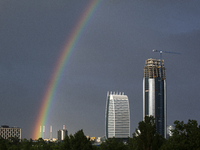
154, 86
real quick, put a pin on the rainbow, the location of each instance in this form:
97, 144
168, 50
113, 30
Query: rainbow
60, 66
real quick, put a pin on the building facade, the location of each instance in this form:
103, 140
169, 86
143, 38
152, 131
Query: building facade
154, 94
6, 132
117, 116
62, 134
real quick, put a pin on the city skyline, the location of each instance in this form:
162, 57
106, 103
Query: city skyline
109, 56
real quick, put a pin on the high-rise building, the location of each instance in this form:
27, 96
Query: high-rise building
6, 132
154, 94
62, 134
117, 116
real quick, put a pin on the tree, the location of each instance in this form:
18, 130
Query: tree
80, 142
113, 144
13, 143
2, 144
26, 144
66, 145
145, 137
40, 144
77, 142
185, 136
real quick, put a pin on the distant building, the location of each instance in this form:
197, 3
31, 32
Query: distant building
6, 132
92, 139
137, 133
117, 116
62, 134
51, 140
169, 130
54, 139
98, 140
47, 140
154, 86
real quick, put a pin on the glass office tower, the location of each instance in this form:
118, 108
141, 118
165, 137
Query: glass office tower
154, 86
117, 116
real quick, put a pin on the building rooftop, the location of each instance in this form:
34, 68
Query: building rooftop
152, 68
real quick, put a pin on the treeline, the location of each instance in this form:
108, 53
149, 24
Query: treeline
186, 136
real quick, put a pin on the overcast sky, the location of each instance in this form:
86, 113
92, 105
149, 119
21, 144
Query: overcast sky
109, 56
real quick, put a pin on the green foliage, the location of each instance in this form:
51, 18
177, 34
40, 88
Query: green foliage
3, 144
145, 137
113, 144
66, 145
185, 136
80, 141
77, 142
26, 144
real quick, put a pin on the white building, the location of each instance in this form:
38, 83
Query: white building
117, 116
6, 132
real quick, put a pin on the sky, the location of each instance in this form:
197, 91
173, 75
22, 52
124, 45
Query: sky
109, 56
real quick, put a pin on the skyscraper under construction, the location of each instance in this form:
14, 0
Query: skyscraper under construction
154, 93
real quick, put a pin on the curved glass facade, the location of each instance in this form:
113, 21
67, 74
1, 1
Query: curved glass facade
117, 116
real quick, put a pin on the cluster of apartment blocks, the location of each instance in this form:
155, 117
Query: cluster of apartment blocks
117, 114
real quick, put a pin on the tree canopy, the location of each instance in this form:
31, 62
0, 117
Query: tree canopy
77, 142
186, 136
145, 137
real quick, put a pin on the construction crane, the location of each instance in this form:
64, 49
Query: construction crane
161, 88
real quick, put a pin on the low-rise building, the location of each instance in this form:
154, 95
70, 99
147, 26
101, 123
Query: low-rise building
6, 132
